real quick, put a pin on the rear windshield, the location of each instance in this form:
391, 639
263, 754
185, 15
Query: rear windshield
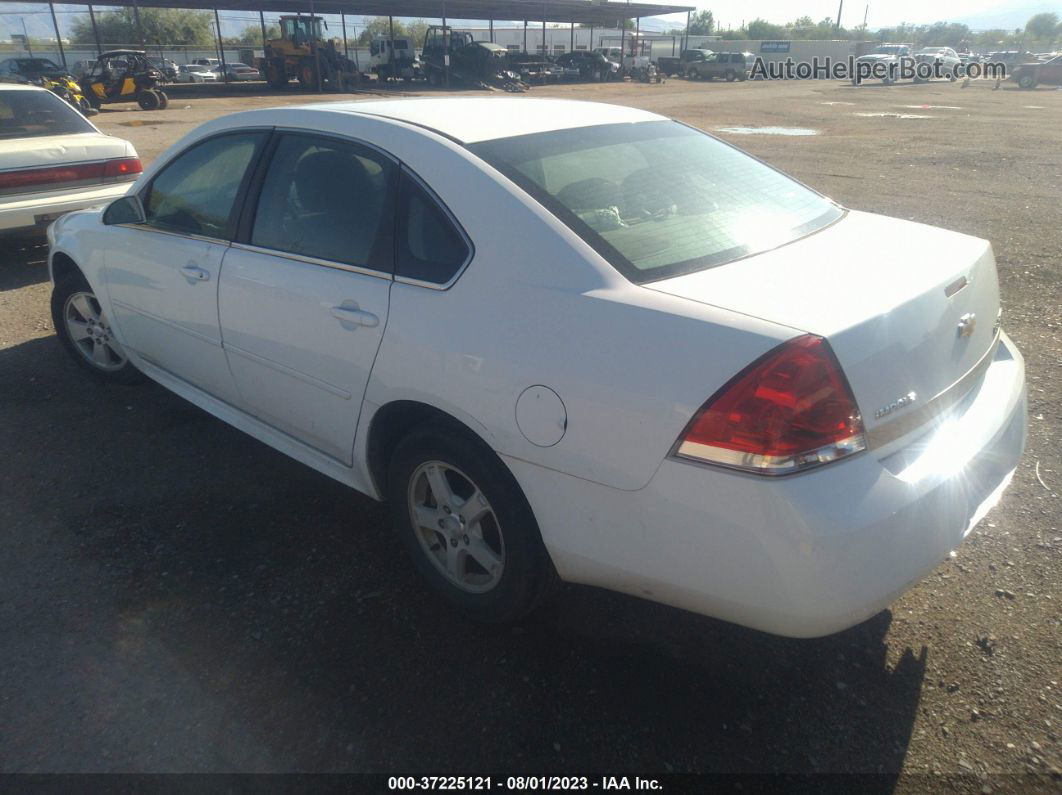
28, 114
659, 198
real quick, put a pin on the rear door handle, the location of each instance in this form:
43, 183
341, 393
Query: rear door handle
194, 273
349, 313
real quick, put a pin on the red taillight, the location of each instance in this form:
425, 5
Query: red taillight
125, 167
70, 174
789, 410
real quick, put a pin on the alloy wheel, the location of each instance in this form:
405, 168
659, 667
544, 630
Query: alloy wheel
90, 332
456, 527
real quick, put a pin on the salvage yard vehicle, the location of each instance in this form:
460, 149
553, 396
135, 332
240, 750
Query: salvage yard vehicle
239, 73
480, 64
303, 52
888, 56
946, 59
195, 73
53, 160
694, 379
729, 66
591, 65
394, 58
672, 65
1030, 75
46, 74
124, 76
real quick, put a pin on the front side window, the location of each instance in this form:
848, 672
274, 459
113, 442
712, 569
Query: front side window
430, 248
329, 200
31, 114
196, 192
659, 198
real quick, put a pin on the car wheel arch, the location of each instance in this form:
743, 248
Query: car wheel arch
394, 421
64, 267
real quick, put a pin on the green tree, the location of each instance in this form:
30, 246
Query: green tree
702, 23
160, 26
1042, 27
251, 35
762, 29
379, 26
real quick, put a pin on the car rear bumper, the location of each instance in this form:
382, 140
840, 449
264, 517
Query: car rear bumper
801, 556
36, 211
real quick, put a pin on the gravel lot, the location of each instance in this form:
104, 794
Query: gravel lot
175, 596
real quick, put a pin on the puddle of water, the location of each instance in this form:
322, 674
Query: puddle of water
1034, 107
884, 115
931, 107
147, 122
767, 130
837, 103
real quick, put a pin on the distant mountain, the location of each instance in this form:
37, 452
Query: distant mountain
1008, 18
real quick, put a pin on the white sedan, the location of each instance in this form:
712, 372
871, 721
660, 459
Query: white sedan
570, 340
195, 73
53, 160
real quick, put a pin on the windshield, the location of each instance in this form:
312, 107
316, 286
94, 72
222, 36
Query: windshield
659, 198
30, 114
890, 49
36, 64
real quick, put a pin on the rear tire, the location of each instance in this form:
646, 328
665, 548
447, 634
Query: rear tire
730, 75
164, 101
467, 525
1027, 82
85, 332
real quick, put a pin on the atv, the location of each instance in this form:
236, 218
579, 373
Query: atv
66, 88
124, 76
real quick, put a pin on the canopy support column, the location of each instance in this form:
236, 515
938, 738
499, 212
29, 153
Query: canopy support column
58, 35
221, 48
95, 32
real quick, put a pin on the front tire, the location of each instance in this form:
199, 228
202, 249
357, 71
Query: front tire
467, 525
1027, 82
85, 332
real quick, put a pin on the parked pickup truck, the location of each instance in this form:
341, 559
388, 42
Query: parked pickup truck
672, 65
1029, 75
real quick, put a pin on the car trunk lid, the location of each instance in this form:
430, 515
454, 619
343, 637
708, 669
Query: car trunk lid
908, 309
26, 157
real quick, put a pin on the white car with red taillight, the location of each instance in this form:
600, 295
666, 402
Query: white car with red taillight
568, 339
53, 160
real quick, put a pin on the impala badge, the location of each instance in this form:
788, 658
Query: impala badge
896, 405
967, 324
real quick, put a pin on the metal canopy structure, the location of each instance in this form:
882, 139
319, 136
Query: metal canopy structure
589, 12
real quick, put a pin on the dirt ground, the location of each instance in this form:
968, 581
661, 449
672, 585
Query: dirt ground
174, 596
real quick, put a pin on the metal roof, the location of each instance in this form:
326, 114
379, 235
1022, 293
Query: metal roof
595, 12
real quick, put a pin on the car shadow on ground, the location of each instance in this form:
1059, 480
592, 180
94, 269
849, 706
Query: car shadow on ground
23, 261
179, 597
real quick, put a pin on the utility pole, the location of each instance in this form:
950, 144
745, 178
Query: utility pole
840, 8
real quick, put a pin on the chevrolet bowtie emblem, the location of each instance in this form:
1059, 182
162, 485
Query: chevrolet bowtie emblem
967, 324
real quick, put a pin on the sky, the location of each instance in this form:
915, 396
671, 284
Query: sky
882, 13
979, 14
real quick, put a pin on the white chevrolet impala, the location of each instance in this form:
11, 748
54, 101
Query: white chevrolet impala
571, 340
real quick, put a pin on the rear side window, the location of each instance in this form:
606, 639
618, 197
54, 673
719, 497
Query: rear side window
196, 192
329, 200
658, 198
430, 248
30, 114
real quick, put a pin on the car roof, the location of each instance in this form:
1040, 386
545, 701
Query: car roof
473, 119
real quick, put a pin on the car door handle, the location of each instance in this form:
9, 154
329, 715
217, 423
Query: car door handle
351, 314
194, 273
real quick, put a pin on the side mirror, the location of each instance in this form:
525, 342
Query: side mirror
126, 210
